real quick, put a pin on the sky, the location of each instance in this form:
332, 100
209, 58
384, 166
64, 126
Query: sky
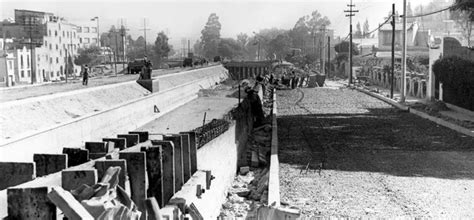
185, 18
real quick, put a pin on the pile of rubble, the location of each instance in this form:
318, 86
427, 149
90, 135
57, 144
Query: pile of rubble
104, 200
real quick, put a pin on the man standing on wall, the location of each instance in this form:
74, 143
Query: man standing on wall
85, 75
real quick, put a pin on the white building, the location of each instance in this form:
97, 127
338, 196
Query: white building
88, 33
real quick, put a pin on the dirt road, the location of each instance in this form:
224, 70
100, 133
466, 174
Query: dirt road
375, 160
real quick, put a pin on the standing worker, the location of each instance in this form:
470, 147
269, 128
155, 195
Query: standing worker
85, 75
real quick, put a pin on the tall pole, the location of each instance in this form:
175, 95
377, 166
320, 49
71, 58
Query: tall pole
144, 33
320, 57
350, 15
258, 51
329, 56
189, 46
98, 32
393, 51
404, 53
116, 51
323, 29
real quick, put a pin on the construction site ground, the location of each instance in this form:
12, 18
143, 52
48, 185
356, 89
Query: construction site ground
346, 154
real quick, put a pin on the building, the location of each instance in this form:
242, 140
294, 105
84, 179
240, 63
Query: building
88, 33
42, 46
417, 40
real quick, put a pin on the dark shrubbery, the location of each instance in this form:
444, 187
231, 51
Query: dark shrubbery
457, 76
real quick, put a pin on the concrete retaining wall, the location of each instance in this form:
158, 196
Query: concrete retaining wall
177, 90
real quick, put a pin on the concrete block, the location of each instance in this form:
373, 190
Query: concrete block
244, 170
72, 179
192, 150
168, 178
153, 209
103, 165
94, 156
49, 163
76, 156
186, 157
71, 208
97, 147
142, 135
131, 139
30, 203
154, 168
178, 160
14, 173
136, 169
120, 143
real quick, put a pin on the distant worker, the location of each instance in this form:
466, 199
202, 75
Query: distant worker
85, 75
146, 70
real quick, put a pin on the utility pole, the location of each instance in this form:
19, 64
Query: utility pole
393, 51
351, 14
123, 33
404, 53
116, 52
144, 32
329, 56
189, 46
321, 49
29, 26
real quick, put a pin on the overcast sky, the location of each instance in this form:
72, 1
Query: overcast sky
185, 18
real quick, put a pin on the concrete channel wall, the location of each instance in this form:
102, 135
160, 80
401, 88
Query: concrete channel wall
177, 89
219, 157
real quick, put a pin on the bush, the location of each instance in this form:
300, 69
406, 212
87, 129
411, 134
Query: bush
457, 76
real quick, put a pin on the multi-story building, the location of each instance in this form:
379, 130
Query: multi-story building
88, 33
43, 46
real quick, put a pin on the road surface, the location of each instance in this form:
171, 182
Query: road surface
375, 160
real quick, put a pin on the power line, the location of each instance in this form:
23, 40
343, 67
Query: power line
430, 13
380, 26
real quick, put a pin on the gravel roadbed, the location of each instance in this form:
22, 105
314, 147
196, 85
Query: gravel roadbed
346, 154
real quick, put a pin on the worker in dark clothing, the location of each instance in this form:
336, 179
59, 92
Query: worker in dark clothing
256, 106
85, 75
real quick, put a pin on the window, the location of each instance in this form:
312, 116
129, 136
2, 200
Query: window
51, 60
59, 39
46, 43
50, 46
57, 59
52, 74
57, 73
22, 73
29, 73
93, 30
64, 34
79, 29
60, 52
39, 58
27, 61
94, 40
56, 33
67, 34
21, 61
57, 47
86, 40
86, 29
80, 40
74, 34
49, 32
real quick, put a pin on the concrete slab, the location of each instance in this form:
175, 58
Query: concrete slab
72, 179
168, 178
178, 160
30, 203
136, 169
131, 139
142, 135
97, 147
14, 173
76, 156
103, 165
154, 168
49, 163
186, 157
120, 143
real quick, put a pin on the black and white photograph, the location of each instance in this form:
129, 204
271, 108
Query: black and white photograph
236, 109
